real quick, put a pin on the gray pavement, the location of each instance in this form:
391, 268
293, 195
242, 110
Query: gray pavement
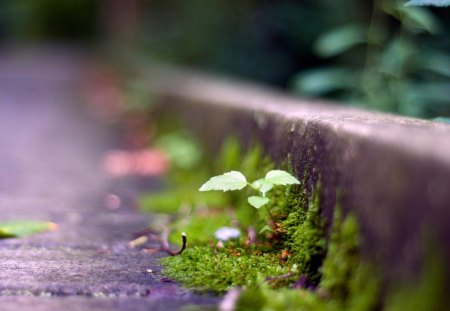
49, 170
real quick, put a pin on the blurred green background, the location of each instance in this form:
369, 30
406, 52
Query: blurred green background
376, 54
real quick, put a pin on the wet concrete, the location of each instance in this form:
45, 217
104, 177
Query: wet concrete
50, 152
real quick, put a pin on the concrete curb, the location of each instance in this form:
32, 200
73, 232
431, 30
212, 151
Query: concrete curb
393, 172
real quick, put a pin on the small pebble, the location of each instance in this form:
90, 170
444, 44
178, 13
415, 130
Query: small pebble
112, 201
227, 233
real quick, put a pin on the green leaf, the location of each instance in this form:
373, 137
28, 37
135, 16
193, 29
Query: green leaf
279, 177
257, 184
266, 186
233, 180
431, 92
13, 229
442, 3
339, 40
396, 56
262, 185
257, 202
437, 62
324, 80
420, 19
442, 120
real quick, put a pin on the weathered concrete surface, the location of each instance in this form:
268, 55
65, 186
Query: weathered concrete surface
392, 172
50, 170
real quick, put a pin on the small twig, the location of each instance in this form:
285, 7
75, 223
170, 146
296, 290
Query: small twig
280, 277
165, 246
183, 246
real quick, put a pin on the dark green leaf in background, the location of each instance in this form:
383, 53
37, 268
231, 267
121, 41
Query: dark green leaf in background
443, 3
420, 19
339, 40
324, 80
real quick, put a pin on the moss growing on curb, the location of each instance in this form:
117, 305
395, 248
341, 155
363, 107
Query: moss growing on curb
342, 256
347, 283
264, 298
350, 283
305, 231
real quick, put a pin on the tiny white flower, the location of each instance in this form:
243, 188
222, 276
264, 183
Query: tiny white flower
227, 233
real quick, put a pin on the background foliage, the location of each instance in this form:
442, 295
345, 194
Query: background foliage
378, 54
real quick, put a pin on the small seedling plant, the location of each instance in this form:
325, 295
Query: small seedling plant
235, 180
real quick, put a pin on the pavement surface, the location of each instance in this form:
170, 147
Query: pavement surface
50, 152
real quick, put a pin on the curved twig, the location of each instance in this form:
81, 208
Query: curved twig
183, 246
165, 246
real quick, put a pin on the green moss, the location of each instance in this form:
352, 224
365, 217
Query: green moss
348, 282
305, 231
364, 288
266, 299
218, 270
251, 299
342, 255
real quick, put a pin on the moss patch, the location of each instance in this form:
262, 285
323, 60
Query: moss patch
265, 298
305, 231
351, 283
342, 256
218, 270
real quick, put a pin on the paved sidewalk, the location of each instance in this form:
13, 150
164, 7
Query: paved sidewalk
49, 170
